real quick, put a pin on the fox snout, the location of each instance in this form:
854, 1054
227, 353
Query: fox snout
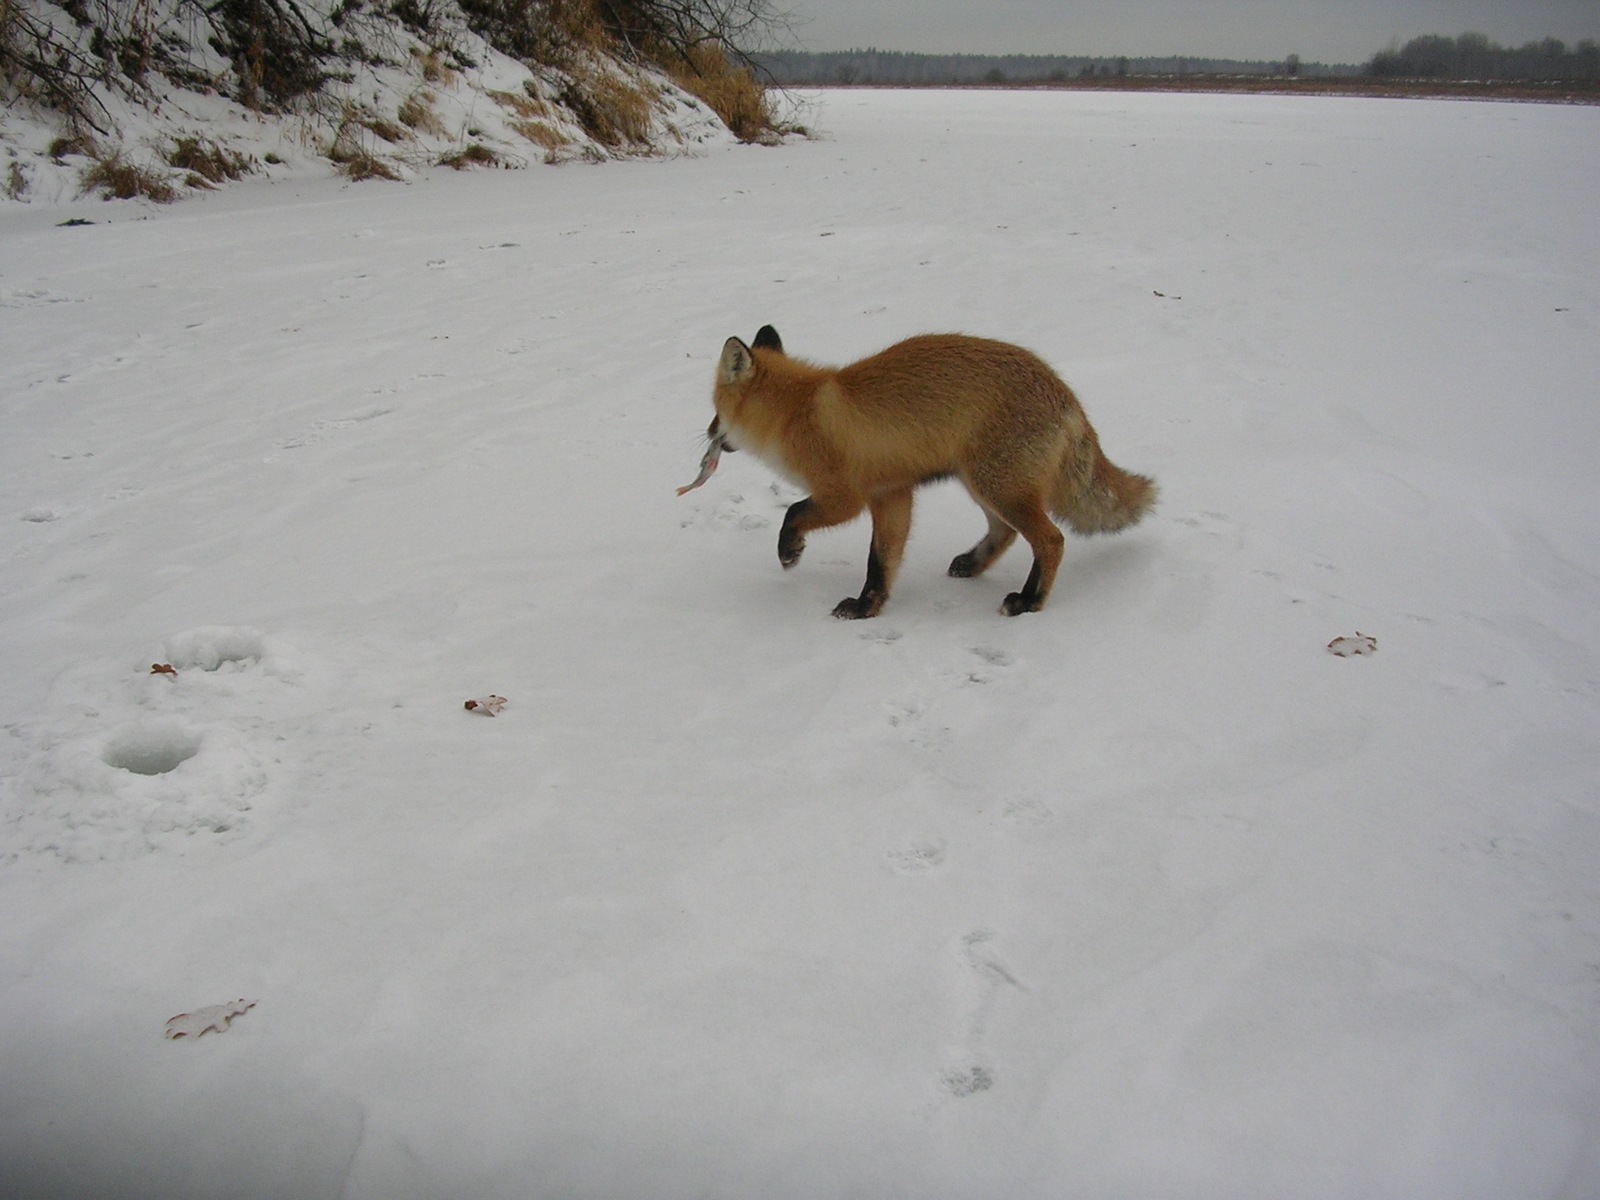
716, 433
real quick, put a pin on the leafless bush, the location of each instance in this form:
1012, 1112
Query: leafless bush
41, 65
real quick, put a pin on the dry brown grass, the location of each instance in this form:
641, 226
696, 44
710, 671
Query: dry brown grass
78, 143
16, 181
613, 110
361, 165
433, 67
388, 130
541, 133
116, 178
730, 90
206, 161
474, 155
522, 104
349, 154
416, 113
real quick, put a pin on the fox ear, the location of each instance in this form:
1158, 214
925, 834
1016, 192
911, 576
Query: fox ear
767, 339
737, 364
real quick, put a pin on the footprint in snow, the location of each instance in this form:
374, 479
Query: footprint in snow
1027, 811
985, 964
990, 659
729, 510
966, 1081
985, 960
915, 857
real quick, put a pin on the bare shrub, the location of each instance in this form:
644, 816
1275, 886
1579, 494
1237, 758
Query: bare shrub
551, 33
40, 66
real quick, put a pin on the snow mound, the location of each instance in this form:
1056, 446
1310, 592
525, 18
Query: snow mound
216, 646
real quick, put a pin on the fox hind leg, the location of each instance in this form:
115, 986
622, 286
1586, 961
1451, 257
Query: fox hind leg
1028, 516
990, 547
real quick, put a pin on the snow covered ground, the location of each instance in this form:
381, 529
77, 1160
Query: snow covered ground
1146, 895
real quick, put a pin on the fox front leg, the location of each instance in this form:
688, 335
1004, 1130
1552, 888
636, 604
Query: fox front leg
891, 523
814, 512
792, 538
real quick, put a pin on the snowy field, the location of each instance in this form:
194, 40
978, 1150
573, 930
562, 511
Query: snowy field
1146, 895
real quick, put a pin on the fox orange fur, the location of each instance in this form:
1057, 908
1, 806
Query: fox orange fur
988, 413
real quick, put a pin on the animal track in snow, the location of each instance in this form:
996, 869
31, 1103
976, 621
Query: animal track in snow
991, 659
1027, 811
1212, 524
969, 1075
881, 636
983, 959
915, 857
729, 509
321, 430
35, 299
902, 714
966, 1081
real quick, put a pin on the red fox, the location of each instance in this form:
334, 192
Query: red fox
990, 414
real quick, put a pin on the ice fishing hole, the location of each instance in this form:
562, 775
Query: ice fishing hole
151, 749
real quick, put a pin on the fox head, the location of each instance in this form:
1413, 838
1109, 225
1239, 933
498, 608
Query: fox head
737, 368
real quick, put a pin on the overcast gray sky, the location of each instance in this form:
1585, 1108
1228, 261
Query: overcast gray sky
1316, 30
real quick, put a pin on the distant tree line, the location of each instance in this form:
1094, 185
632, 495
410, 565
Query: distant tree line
1474, 56
794, 67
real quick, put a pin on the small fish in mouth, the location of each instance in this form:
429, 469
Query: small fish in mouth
708, 462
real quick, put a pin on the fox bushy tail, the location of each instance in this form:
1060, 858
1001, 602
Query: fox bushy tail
1093, 495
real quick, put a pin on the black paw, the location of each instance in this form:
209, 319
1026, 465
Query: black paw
854, 608
1016, 604
790, 550
964, 566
